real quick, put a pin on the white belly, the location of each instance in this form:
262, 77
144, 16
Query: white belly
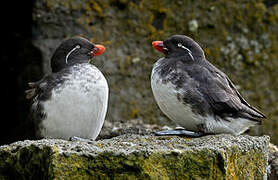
77, 109
166, 98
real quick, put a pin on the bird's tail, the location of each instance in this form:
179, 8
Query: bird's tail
30, 93
252, 113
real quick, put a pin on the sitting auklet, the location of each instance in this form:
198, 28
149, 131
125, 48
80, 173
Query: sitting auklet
196, 95
71, 101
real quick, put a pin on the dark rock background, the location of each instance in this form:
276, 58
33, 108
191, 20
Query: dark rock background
20, 62
239, 37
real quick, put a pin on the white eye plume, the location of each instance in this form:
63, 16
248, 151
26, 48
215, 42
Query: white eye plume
189, 52
67, 56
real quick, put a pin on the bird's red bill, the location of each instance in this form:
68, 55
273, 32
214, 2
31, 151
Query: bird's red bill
158, 45
98, 50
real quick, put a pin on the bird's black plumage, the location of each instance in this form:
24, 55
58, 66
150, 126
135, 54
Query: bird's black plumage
58, 60
72, 73
199, 84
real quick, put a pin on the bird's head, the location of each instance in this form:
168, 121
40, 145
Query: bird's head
74, 50
179, 45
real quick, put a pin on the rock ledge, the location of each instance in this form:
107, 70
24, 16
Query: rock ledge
135, 156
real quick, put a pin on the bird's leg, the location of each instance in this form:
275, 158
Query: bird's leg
76, 138
179, 132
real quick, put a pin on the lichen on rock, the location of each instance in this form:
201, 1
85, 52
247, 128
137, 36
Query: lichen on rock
138, 157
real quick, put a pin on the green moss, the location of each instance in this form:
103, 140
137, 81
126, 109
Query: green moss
236, 165
73, 167
196, 165
190, 164
31, 162
96, 7
137, 157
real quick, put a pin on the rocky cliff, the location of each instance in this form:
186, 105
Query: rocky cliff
239, 37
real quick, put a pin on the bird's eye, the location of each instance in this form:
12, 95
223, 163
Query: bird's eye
77, 46
180, 45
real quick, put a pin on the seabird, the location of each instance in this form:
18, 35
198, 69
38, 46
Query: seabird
195, 94
72, 100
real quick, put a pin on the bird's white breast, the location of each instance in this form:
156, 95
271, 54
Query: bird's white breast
166, 97
78, 106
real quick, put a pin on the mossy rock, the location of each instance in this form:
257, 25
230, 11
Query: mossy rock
239, 37
138, 157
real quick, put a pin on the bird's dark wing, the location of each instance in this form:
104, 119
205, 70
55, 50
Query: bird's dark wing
39, 92
40, 88
34, 89
224, 99
243, 101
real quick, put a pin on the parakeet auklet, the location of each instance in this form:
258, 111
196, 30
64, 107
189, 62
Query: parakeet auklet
73, 99
195, 94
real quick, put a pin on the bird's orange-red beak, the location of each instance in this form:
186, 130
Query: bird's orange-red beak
98, 50
158, 45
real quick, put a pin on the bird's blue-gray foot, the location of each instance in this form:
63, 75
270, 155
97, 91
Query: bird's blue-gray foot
76, 138
179, 132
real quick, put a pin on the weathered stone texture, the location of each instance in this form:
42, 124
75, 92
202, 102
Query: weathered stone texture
138, 157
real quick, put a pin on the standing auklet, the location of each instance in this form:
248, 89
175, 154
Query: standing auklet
195, 94
72, 101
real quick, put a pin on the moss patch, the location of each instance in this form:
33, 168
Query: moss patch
137, 157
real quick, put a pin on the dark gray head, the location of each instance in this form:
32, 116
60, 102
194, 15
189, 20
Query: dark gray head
74, 50
180, 45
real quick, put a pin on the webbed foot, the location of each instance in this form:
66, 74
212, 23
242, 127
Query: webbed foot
76, 138
179, 132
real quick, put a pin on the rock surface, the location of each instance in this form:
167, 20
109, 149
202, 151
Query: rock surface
137, 157
273, 162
